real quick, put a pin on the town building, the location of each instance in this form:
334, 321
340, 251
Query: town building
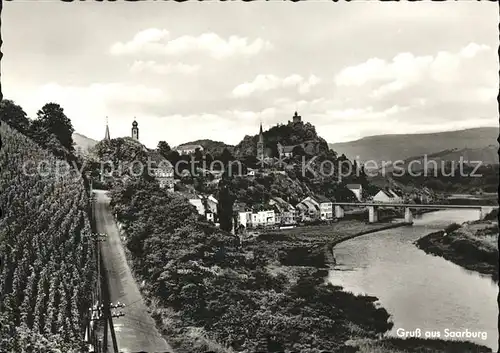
245, 219
357, 190
263, 218
161, 169
188, 149
197, 202
244, 214
210, 217
135, 130
286, 214
325, 207
388, 195
212, 204
251, 172
309, 209
285, 151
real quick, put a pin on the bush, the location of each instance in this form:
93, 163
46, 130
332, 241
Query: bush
452, 227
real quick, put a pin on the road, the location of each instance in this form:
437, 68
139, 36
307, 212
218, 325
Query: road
136, 331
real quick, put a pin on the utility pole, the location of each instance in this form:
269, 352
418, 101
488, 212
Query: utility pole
103, 313
96, 300
98, 238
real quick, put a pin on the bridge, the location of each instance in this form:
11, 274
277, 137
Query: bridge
373, 209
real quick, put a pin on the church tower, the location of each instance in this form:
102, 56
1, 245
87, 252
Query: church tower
260, 145
135, 131
106, 135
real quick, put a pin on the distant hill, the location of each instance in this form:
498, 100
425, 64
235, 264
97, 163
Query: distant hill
210, 146
84, 142
401, 147
486, 155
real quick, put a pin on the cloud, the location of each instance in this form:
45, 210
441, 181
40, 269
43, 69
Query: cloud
159, 42
362, 114
406, 70
264, 83
140, 66
473, 49
103, 92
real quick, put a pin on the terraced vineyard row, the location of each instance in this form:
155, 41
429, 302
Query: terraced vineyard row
47, 270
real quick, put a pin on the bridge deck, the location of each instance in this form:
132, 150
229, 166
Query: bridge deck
411, 205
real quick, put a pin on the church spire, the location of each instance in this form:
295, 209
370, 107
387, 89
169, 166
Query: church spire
260, 144
106, 136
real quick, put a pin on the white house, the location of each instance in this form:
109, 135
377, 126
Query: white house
188, 149
264, 218
212, 204
356, 189
325, 207
245, 218
387, 196
198, 203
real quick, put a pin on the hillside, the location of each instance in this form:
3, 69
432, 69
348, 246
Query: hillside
47, 268
83, 142
486, 155
400, 147
288, 135
215, 148
312, 170
116, 160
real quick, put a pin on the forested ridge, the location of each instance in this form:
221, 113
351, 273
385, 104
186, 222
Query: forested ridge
47, 270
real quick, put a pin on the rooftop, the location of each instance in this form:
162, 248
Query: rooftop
188, 147
354, 186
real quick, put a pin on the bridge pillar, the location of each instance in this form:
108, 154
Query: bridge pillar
482, 213
372, 214
408, 215
339, 211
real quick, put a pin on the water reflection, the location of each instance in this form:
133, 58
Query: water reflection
419, 290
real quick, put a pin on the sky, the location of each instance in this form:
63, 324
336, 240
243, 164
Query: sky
196, 70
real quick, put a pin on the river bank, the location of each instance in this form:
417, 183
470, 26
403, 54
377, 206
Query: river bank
472, 245
312, 245
208, 292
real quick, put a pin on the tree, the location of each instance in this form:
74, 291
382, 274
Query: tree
52, 118
226, 157
198, 155
298, 151
225, 206
14, 115
163, 148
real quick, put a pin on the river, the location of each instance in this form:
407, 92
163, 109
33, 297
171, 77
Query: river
419, 290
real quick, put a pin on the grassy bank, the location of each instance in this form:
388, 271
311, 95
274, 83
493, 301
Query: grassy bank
208, 292
472, 245
417, 345
312, 245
